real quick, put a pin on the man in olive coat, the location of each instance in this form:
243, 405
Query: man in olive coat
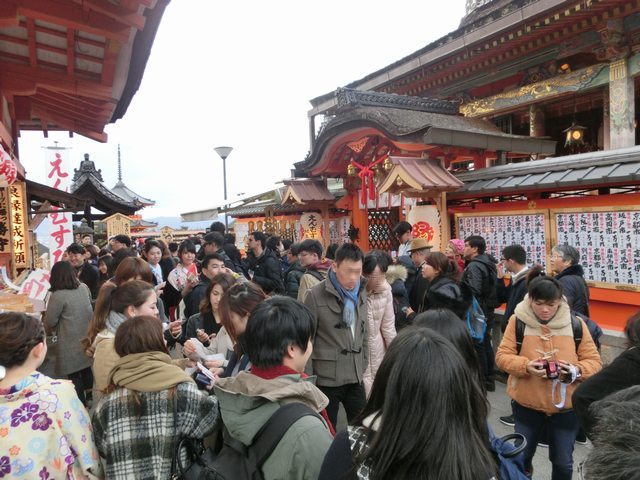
340, 349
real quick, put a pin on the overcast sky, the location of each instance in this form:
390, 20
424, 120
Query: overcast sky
242, 74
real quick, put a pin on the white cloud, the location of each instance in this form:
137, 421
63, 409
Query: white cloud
242, 74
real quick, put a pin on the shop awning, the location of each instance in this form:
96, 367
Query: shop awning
418, 177
306, 191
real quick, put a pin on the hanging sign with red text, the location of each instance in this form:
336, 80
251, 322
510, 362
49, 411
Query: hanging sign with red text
60, 227
19, 229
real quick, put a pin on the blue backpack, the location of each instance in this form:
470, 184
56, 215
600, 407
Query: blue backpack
509, 456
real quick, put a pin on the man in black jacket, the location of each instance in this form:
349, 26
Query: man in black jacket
480, 279
263, 265
87, 273
565, 263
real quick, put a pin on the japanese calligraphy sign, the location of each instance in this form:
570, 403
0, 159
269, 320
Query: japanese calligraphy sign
5, 222
8, 168
608, 240
311, 226
528, 228
118, 224
19, 229
426, 224
60, 228
36, 284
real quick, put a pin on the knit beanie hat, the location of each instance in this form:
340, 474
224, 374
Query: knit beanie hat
457, 246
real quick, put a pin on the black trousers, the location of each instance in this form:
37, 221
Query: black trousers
82, 380
350, 395
486, 356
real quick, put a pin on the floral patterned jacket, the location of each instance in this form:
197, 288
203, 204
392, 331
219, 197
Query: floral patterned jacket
45, 432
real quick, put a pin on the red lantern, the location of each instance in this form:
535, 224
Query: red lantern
8, 169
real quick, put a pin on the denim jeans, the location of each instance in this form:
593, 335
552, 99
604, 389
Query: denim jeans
562, 429
350, 395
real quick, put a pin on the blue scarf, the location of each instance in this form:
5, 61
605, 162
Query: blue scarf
349, 298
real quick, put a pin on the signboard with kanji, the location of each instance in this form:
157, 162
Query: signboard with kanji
5, 222
311, 226
118, 224
19, 228
60, 228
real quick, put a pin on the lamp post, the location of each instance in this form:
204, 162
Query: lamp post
224, 152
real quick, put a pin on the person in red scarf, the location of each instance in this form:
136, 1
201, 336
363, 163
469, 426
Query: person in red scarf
277, 341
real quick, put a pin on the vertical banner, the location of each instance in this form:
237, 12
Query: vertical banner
5, 222
19, 228
60, 227
426, 224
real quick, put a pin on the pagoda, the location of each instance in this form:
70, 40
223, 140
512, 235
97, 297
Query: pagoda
123, 191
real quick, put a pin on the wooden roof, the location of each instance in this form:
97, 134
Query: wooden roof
74, 65
418, 177
306, 191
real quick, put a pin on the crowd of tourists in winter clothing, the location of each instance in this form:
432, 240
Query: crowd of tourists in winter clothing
149, 364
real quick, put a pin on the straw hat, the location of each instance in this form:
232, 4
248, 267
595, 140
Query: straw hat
418, 244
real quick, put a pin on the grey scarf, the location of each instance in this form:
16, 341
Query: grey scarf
114, 320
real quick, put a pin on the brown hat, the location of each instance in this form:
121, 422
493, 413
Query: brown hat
418, 244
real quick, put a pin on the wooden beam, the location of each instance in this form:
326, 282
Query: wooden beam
52, 97
31, 36
8, 14
17, 77
71, 15
68, 123
110, 61
71, 51
117, 13
71, 112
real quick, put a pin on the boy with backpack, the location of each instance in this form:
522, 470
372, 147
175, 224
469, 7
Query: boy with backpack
274, 415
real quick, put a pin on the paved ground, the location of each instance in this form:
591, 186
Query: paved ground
500, 406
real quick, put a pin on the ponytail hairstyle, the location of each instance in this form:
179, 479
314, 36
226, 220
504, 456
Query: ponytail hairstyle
542, 287
241, 299
19, 333
116, 298
443, 264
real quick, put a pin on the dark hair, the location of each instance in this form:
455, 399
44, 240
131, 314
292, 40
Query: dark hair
173, 246
349, 251
443, 264
116, 298
230, 238
218, 227
273, 242
225, 280
259, 236
186, 246
214, 237
516, 253
286, 243
76, 248
241, 299
139, 335
275, 324
196, 240
124, 239
311, 246
444, 435
542, 287
373, 259
331, 251
108, 261
131, 268
616, 452
208, 258
451, 327
476, 241
294, 249
19, 333
401, 228
63, 277
93, 250
149, 244
119, 255
632, 330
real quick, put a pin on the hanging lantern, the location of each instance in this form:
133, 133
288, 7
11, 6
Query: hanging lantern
574, 135
387, 165
351, 170
8, 169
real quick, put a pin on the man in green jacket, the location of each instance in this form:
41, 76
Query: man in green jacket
277, 341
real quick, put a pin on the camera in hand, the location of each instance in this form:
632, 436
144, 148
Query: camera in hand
551, 368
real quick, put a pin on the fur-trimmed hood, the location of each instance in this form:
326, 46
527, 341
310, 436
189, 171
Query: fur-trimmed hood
395, 272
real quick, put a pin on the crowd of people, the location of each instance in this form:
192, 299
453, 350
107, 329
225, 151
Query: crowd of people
145, 357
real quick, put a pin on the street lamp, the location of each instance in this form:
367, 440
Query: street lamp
224, 152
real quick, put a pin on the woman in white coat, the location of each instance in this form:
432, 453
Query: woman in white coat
380, 315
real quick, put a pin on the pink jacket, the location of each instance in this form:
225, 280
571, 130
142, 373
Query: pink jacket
381, 330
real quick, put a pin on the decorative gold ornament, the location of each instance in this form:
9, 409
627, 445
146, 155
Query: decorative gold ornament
387, 165
351, 170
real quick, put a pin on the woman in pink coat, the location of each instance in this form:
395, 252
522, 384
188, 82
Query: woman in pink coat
380, 315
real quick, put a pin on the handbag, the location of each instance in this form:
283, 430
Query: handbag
476, 321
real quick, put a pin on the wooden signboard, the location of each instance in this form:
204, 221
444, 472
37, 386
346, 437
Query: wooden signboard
608, 239
529, 228
118, 224
19, 225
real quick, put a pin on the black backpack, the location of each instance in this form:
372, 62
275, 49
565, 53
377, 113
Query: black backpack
235, 461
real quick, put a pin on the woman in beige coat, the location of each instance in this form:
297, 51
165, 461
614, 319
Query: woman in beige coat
380, 315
